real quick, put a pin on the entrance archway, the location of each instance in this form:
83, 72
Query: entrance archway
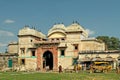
48, 60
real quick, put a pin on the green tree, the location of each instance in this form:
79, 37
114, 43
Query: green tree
112, 43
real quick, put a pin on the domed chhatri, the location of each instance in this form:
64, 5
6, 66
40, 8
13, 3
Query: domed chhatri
57, 28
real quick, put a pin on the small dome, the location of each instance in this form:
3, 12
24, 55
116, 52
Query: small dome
57, 28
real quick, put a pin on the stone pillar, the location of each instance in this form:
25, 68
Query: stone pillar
39, 59
55, 59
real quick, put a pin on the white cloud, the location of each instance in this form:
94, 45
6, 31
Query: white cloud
6, 33
8, 21
90, 32
3, 44
5, 38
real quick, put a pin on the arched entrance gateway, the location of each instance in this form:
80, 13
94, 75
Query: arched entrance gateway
47, 57
48, 60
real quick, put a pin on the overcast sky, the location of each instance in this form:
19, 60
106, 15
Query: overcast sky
99, 17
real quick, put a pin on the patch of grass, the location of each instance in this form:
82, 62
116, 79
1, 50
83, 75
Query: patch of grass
56, 76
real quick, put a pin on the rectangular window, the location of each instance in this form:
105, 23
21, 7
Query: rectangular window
62, 52
23, 61
57, 39
76, 47
33, 53
52, 39
22, 50
62, 39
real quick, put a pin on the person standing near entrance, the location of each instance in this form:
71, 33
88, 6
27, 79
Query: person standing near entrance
60, 68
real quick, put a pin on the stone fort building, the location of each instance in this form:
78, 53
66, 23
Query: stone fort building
63, 45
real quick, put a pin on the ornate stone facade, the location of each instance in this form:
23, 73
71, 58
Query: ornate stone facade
61, 46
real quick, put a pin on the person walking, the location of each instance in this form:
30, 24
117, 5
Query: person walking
60, 69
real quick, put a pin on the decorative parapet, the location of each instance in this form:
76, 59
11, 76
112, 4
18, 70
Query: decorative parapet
75, 27
28, 31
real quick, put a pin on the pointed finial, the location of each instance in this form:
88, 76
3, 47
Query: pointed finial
26, 25
73, 22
